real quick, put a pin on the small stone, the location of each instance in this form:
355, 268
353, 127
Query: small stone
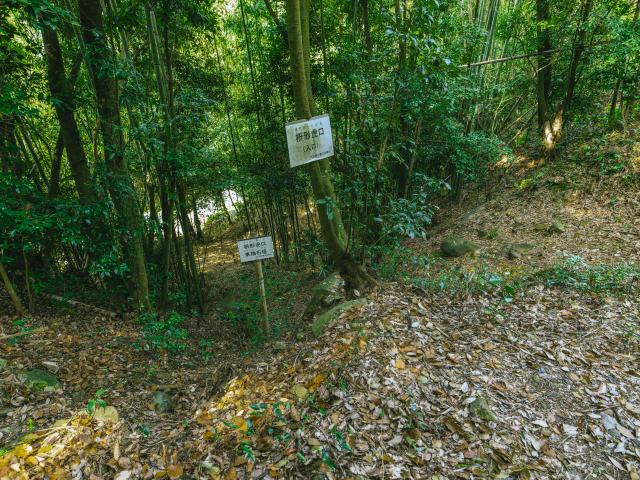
480, 408
556, 227
162, 402
516, 250
51, 366
40, 380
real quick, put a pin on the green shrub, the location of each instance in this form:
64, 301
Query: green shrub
577, 274
163, 333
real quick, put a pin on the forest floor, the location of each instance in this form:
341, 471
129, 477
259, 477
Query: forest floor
517, 361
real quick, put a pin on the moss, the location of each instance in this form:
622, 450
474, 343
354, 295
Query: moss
454, 246
323, 320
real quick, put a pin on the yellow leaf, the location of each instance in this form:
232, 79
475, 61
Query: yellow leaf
241, 423
107, 413
204, 418
22, 450
58, 474
174, 471
313, 385
400, 365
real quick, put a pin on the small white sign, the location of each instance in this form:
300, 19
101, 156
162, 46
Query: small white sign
309, 140
255, 249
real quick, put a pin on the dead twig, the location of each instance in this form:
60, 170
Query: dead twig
20, 334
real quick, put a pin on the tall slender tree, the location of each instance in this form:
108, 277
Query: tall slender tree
100, 63
332, 228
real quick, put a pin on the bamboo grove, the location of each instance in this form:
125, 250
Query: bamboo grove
122, 121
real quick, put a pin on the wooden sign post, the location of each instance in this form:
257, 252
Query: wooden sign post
255, 250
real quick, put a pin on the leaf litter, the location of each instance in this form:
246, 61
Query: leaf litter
412, 385
408, 386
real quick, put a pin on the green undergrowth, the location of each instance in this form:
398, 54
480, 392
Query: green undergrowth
428, 272
286, 294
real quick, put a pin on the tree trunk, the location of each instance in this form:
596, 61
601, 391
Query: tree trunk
9, 151
329, 214
60, 91
366, 28
628, 107
414, 155
119, 181
561, 116
544, 71
196, 218
12, 293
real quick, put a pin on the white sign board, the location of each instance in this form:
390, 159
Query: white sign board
309, 140
255, 249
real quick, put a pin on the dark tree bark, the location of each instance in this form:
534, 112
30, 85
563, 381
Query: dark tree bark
121, 189
63, 103
544, 63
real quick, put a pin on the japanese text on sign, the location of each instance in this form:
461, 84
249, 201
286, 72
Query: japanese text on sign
309, 140
255, 249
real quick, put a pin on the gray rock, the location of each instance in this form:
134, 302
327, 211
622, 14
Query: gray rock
454, 246
556, 227
323, 320
480, 408
326, 294
516, 250
39, 380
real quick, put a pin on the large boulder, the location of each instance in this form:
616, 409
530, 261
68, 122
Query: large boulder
326, 294
323, 320
455, 246
40, 380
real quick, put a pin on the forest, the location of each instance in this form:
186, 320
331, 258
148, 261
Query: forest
449, 289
